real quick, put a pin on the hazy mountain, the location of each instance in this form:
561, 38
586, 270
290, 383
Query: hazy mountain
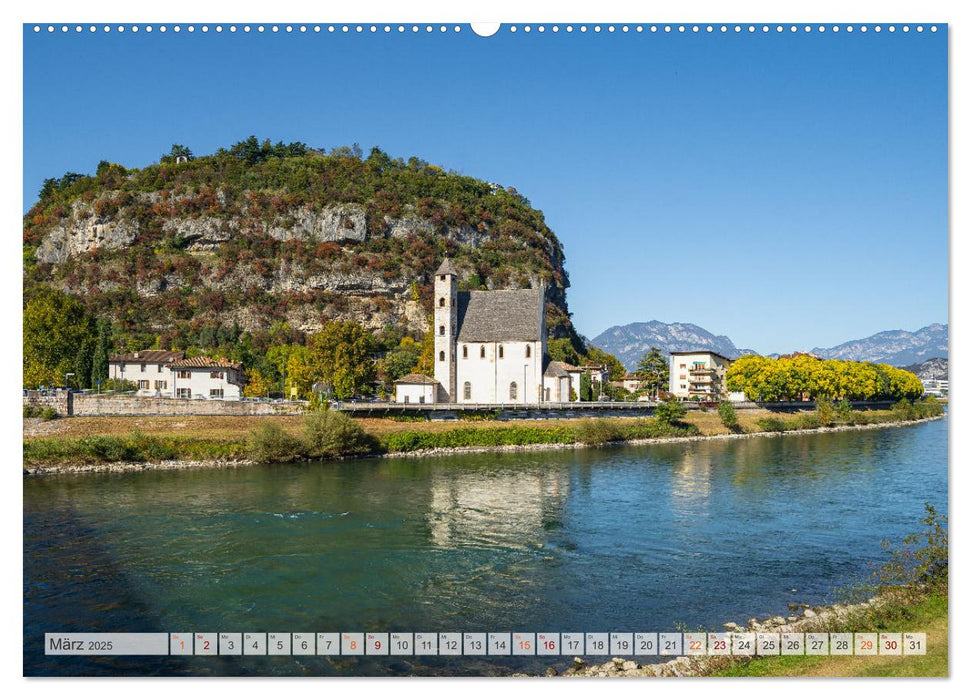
897, 348
934, 368
629, 343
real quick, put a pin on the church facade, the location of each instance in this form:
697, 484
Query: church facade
490, 348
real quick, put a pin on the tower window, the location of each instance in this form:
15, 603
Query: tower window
529, 351
441, 330
441, 301
467, 391
441, 355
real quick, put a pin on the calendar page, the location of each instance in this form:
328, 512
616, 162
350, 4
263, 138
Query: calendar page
437, 349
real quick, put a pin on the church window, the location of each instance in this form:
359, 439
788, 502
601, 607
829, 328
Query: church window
441, 355
513, 390
441, 301
467, 391
465, 351
529, 351
482, 351
547, 394
441, 330
500, 352
441, 277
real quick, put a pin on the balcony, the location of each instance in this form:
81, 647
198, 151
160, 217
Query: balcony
701, 370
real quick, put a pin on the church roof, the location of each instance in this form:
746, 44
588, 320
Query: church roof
415, 378
500, 315
555, 369
447, 268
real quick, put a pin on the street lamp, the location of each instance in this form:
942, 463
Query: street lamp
524, 383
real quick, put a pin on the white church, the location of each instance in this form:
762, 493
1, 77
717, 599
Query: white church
490, 348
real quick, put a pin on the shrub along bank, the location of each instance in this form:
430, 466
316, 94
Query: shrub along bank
333, 435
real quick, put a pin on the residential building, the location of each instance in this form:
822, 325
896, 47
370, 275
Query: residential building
935, 387
147, 369
698, 374
169, 374
206, 378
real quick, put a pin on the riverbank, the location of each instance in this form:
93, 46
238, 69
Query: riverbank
893, 611
88, 447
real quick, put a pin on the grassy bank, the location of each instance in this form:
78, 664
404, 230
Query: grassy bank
83, 441
919, 614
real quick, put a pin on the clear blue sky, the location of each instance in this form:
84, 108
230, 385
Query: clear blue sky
787, 190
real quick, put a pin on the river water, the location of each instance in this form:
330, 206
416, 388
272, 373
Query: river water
640, 538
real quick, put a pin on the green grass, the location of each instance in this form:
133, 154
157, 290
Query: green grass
134, 447
924, 615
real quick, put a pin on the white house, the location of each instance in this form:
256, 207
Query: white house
490, 348
147, 369
206, 378
169, 374
416, 388
699, 374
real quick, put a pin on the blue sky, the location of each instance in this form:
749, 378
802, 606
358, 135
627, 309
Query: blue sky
787, 190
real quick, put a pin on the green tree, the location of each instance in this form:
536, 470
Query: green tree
102, 348
596, 356
670, 412
586, 387
177, 151
562, 350
59, 338
398, 361
653, 369
341, 355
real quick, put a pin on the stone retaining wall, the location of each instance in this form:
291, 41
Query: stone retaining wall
71, 404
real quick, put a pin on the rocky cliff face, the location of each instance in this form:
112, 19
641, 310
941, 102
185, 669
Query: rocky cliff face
180, 259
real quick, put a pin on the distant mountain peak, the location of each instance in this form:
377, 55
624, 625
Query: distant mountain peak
629, 343
895, 347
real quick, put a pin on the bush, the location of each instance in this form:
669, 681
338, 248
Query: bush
844, 412
928, 407
48, 413
271, 443
670, 411
771, 425
807, 421
596, 431
903, 410
726, 411
825, 411
333, 434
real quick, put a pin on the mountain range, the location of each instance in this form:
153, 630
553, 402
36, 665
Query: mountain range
896, 347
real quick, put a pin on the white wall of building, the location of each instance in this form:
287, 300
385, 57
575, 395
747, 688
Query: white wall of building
151, 378
414, 393
490, 377
682, 383
198, 383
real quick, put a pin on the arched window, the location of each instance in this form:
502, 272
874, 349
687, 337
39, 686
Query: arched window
513, 391
441, 355
529, 351
465, 351
441, 330
482, 351
500, 352
546, 393
467, 391
441, 301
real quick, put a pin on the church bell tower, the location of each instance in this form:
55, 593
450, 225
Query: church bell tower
446, 326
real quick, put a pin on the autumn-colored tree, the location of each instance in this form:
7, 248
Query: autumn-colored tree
257, 384
59, 338
341, 356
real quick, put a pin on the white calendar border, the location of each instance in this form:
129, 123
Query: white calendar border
439, 10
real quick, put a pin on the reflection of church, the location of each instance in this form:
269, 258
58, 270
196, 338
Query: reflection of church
490, 347
468, 507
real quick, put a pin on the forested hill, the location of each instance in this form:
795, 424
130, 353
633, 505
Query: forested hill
262, 243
